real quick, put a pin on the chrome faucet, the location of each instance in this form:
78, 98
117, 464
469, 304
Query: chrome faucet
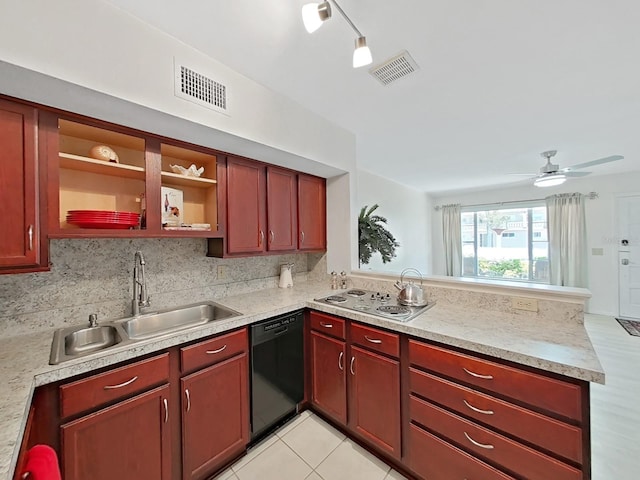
140, 295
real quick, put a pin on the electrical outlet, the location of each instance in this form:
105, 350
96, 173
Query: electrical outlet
222, 272
522, 303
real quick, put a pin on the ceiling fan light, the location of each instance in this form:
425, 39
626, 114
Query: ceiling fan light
313, 14
550, 180
362, 54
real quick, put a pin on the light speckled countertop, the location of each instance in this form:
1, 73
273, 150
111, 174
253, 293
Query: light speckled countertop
560, 347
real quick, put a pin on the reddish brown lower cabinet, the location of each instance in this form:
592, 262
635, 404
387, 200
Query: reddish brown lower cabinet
328, 379
127, 441
215, 417
366, 400
374, 399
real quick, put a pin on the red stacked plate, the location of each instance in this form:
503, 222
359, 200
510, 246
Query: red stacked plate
103, 219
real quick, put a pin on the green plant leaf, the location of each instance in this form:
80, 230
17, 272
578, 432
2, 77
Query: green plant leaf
374, 237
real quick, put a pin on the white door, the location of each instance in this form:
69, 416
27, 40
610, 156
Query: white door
629, 255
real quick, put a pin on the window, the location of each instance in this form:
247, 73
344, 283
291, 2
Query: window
506, 243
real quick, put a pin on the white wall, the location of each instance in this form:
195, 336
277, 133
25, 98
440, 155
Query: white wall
408, 213
601, 227
91, 58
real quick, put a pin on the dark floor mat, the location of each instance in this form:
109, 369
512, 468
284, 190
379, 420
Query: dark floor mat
631, 326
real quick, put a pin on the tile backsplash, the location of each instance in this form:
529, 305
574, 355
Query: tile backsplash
95, 276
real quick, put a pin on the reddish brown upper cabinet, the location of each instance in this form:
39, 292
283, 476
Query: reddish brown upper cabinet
282, 209
21, 246
246, 209
215, 417
128, 441
312, 216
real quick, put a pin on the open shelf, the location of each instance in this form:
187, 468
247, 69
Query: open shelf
91, 165
170, 178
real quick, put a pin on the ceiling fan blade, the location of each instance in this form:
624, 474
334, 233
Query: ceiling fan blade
600, 161
575, 174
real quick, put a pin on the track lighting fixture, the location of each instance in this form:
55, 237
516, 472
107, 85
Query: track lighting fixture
313, 14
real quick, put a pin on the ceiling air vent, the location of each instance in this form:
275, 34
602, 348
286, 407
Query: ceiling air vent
395, 68
198, 88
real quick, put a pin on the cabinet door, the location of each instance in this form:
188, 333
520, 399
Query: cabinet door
328, 381
215, 417
246, 212
127, 441
312, 213
282, 206
19, 246
375, 399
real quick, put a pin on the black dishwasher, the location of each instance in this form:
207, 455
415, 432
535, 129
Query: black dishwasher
277, 371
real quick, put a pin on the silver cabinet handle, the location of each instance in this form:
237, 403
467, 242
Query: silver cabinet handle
340, 358
353, 359
326, 325
30, 234
301, 236
372, 340
166, 410
186, 394
625, 261
477, 375
120, 385
481, 445
25, 475
212, 352
261, 238
272, 236
478, 410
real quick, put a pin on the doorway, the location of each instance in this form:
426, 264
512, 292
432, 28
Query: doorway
628, 207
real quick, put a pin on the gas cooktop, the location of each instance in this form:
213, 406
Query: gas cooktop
374, 303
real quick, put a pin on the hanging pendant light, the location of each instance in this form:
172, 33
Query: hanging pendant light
362, 54
313, 14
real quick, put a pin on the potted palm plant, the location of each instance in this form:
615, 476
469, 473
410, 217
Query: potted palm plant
374, 237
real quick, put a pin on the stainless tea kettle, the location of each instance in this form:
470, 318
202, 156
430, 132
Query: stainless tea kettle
410, 295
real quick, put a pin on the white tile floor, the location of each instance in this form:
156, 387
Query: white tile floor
309, 449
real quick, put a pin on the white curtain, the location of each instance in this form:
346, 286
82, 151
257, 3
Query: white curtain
567, 240
452, 238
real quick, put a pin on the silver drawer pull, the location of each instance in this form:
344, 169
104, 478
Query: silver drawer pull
340, 357
475, 409
372, 340
25, 475
166, 410
477, 375
120, 385
481, 445
186, 394
353, 359
326, 325
30, 233
212, 352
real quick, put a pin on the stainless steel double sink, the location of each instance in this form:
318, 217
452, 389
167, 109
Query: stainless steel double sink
82, 340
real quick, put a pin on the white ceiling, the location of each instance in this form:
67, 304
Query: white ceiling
499, 82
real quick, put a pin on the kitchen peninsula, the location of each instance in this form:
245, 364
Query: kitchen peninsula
477, 319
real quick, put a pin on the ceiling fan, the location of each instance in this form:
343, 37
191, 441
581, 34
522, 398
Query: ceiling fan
551, 174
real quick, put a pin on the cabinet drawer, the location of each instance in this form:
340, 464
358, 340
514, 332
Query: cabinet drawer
489, 445
328, 324
92, 392
213, 350
544, 392
434, 459
375, 339
548, 433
